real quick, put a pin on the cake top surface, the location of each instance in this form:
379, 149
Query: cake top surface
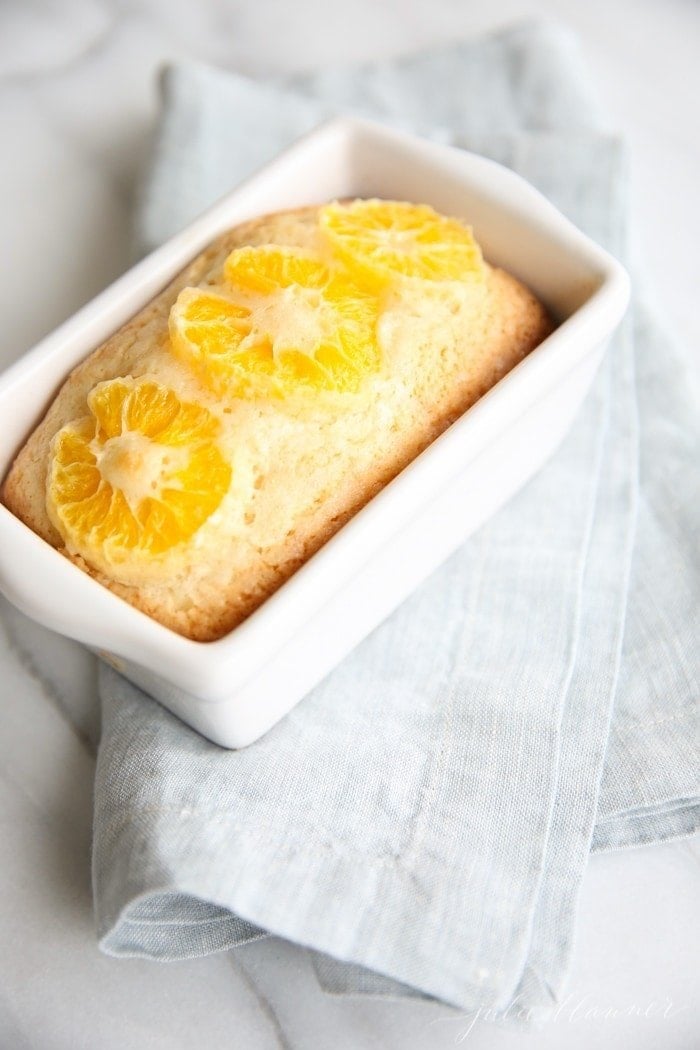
203, 452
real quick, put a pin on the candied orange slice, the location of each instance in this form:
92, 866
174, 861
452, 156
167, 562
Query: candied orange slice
139, 475
282, 322
378, 240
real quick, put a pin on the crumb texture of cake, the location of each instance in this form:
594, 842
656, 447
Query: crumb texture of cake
211, 445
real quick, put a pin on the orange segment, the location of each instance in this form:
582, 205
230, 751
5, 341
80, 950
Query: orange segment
284, 323
380, 240
267, 269
140, 475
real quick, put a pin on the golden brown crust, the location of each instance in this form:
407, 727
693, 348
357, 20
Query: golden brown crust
464, 366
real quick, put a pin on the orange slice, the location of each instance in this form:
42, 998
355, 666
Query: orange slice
138, 476
379, 240
282, 323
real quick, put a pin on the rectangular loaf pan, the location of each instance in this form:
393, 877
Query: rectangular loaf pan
233, 690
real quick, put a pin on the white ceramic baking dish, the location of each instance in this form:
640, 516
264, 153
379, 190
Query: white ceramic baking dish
235, 689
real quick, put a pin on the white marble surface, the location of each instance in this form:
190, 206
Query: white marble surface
77, 100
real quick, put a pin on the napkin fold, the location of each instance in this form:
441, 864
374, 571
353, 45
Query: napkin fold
422, 820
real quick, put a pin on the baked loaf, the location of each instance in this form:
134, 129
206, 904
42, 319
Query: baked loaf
199, 456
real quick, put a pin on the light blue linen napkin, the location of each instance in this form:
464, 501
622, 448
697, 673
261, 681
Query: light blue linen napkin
423, 818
